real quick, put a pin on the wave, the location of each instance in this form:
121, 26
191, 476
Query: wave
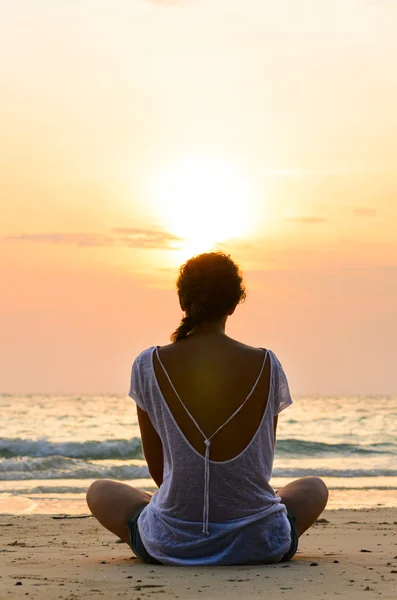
306, 448
90, 450
47, 489
132, 449
61, 467
323, 472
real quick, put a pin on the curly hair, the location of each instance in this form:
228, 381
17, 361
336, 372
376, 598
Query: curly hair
209, 286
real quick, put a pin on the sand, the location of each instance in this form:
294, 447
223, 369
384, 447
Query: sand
353, 554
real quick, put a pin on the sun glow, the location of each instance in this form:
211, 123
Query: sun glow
204, 202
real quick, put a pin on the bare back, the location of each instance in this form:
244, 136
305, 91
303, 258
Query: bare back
213, 375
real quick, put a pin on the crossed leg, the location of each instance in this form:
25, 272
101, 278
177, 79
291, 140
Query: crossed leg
113, 503
306, 498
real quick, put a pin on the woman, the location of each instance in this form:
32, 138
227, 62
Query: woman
207, 409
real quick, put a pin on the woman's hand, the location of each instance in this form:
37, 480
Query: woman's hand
152, 447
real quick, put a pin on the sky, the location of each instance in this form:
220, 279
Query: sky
136, 133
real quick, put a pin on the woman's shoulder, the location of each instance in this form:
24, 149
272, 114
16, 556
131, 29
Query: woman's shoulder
144, 358
257, 350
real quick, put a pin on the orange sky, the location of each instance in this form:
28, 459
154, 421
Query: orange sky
102, 101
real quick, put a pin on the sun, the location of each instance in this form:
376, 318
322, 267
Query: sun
204, 202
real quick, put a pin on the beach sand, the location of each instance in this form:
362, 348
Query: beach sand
353, 554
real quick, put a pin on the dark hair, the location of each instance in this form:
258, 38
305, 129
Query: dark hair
209, 286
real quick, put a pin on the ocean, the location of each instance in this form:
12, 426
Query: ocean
52, 447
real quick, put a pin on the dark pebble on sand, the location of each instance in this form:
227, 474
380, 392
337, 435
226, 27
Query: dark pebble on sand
103, 562
314, 564
18, 583
393, 571
363, 550
147, 585
322, 521
336, 561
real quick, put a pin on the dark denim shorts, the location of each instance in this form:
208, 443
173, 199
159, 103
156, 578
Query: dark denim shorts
134, 538
140, 551
294, 537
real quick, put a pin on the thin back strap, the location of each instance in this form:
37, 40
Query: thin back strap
207, 440
245, 401
178, 396
231, 416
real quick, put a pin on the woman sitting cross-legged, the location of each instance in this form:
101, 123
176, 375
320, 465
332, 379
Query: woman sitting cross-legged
207, 409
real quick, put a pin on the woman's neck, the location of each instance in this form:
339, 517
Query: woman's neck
210, 327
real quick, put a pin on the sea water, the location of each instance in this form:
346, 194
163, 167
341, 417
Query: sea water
53, 447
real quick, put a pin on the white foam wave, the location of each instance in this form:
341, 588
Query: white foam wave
91, 449
60, 467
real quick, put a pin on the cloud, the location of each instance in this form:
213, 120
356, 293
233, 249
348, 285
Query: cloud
321, 172
74, 239
146, 238
297, 172
365, 212
118, 237
306, 220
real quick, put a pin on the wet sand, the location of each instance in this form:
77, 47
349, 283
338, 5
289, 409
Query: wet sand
350, 554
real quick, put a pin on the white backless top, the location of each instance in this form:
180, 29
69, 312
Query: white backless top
212, 512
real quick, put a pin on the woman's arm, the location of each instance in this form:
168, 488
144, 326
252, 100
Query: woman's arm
152, 447
275, 428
